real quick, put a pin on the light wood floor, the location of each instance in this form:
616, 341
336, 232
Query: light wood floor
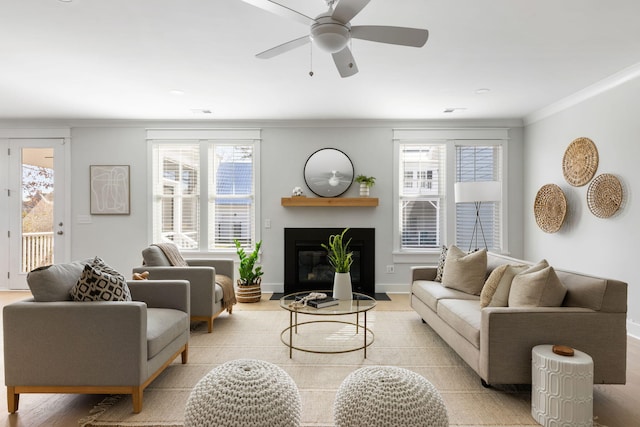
614, 405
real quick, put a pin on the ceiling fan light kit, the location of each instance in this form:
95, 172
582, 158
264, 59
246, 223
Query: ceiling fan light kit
332, 31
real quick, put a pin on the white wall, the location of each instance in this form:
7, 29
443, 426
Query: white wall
284, 150
585, 243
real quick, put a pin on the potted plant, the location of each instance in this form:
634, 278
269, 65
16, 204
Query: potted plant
366, 182
249, 289
340, 259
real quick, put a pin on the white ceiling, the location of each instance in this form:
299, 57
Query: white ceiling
120, 59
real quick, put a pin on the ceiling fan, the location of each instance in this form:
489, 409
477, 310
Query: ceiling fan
331, 31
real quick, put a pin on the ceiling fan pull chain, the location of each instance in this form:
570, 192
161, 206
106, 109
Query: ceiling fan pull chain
310, 59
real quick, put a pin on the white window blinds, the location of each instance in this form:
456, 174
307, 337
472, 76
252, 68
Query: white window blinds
204, 187
231, 195
421, 190
478, 163
176, 194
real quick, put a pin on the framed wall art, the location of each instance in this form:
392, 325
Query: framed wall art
109, 188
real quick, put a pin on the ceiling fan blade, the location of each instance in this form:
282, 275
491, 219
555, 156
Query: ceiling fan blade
284, 47
281, 10
345, 63
347, 9
393, 35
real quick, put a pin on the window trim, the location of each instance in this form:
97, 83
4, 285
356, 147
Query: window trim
205, 137
450, 137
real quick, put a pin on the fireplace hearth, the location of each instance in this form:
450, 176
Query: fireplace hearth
306, 267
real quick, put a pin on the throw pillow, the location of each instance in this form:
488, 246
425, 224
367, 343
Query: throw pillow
96, 284
53, 282
103, 266
538, 286
465, 272
490, 286
440, 269
500, 297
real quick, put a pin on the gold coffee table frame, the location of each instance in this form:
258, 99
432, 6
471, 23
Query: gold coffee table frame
361, 303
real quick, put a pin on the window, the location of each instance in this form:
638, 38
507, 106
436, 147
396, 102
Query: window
427, 164
477, 163
204, 193
422, 195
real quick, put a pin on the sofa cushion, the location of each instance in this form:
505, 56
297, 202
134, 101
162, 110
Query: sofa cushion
99, 282
154, 257
538, 286
53, 282
500, 296
463, 316
491, 285
441, 261
431, 292
163, 326
465, 272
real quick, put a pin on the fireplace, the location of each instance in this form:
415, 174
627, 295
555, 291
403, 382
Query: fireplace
306, 267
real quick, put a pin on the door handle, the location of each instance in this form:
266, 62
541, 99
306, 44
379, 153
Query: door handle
60, 233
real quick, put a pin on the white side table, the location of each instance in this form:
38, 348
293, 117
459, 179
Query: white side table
561, 388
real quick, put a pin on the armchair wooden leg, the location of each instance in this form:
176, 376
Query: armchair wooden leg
136, 396
210, 325
13, 399
185, 354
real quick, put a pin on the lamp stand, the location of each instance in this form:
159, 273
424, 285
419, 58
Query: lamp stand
478, 224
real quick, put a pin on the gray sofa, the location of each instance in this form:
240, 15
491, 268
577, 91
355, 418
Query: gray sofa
102, 347
496, 342
207, 296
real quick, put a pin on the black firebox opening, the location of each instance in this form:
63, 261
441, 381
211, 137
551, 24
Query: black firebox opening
307, 267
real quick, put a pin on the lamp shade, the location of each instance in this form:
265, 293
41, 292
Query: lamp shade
478, 191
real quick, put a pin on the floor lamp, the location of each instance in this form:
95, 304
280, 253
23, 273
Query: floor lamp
478, 192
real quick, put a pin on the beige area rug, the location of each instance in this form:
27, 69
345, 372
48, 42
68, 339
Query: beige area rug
401, 339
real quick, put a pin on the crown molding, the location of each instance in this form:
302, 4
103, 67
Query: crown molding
595, 89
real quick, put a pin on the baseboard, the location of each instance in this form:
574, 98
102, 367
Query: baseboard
633, 329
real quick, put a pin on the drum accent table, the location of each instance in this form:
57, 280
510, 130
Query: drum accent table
561, 388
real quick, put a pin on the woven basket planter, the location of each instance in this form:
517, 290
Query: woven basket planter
249, 292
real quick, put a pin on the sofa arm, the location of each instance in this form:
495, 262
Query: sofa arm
42, 342
222, 266
423, 273
162, 293
509, 333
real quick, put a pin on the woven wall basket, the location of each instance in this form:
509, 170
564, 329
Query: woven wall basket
604, 195
550, 208
580, 162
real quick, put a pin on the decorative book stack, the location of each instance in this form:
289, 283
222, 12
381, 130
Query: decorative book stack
321, 303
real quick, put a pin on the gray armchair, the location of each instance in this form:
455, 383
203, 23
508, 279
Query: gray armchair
207, 296
95, 347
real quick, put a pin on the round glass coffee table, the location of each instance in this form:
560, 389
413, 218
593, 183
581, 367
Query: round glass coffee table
360, 304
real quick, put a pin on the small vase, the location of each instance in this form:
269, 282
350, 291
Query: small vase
364, 190
342, 286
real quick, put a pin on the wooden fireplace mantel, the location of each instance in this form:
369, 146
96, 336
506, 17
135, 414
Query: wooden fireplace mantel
330, 201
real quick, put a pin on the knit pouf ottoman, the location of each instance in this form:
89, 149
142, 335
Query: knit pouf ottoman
244, 392
388, 396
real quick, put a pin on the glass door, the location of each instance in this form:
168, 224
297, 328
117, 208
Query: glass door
36, 207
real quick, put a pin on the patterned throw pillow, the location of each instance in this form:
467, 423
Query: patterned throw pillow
443, 258
99, 282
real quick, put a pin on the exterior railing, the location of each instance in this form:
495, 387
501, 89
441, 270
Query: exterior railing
37, 250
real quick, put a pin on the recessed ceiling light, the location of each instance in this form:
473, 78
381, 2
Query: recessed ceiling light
482, 91
451, 110
65, 1
176, 92
201, 111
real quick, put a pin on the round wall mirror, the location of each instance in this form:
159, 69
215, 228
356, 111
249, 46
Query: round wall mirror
328, 172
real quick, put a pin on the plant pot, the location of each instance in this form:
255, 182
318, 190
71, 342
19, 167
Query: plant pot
249, 292
364, 190
342, 286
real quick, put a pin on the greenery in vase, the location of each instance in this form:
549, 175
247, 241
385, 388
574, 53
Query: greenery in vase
248, 274
366, 180
339, 255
